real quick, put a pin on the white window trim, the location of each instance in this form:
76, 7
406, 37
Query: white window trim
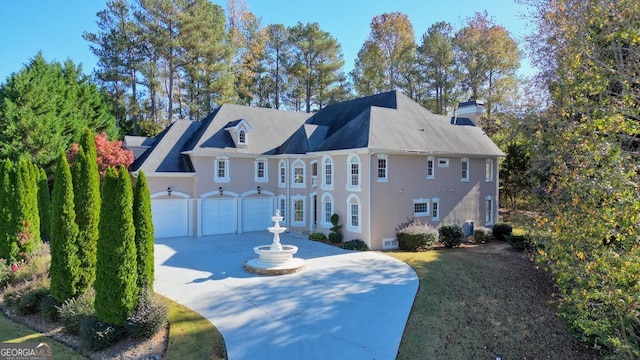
462, 162
265, 178
356, 229
282, 165
488, 170
242, 133
323, 183
323, 222
293, 210
314, 178
392, 243
384, 157
436, 216
293, 174
283, 211
433, 168
421, 201
491, 214
350, 186
443, 162
227, 177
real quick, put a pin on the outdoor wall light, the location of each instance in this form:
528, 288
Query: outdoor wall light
259, 190
169, 190
220, 190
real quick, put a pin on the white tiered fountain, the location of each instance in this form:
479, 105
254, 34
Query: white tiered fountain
275, 259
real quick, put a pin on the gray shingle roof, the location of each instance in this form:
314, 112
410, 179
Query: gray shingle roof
388, 122
165, 154
270, 129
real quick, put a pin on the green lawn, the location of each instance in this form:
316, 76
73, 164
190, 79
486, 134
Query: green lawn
480, 303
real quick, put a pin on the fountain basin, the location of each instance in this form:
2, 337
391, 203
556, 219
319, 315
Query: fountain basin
275, 256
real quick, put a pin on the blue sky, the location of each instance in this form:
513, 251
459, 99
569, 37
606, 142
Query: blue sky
55, 27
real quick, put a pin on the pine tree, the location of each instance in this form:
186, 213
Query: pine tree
144, 233
44, 204
86, 186
8, 242
64, 230
116, 272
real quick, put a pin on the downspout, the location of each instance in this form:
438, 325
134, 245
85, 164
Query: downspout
287, 204
369, 201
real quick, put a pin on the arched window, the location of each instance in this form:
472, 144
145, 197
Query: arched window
354, 211
353, 172
327, 210
298, 174
327, 173
282, 174
242, 137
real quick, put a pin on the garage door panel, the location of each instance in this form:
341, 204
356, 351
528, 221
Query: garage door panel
219, 216
257, 213
169, 217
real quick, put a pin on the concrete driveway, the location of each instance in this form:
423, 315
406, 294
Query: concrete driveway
344, 305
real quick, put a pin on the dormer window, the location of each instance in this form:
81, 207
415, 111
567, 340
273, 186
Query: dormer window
239, 131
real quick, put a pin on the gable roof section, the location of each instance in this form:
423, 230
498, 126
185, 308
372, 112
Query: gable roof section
270, 129
165, 153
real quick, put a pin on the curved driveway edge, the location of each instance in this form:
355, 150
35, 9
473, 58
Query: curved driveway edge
344, 305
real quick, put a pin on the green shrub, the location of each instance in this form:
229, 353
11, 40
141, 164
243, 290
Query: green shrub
355, 244
317, 236
75, 310
49, 308
29, 303
14, 293
520, 242
96, 335
148, 318
501, 231
481, 235
450, 235
414, 236
335, 236
7, 273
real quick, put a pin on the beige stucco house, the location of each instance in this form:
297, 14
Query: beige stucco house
375, 161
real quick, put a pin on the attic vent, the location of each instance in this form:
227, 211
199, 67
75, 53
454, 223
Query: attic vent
420, 129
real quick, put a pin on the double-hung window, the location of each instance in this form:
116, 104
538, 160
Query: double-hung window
383, 168
298, 174
464, 170
430, 170
435, 209
488, 170
327, 173
261, 170
353, 174
354, 210
222, 169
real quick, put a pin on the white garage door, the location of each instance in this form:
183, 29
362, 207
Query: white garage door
219, 216
170, 217
257, 213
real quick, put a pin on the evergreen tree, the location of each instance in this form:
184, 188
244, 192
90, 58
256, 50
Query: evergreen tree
144, 233
44, 204
48, 104
116, 271
86, 186
64, 230
8, 241
26, 220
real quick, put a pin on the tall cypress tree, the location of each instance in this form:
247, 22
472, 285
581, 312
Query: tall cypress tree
44, 204
64, 230
86, 186
144, 233
27, 221
116, 272
8, 241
